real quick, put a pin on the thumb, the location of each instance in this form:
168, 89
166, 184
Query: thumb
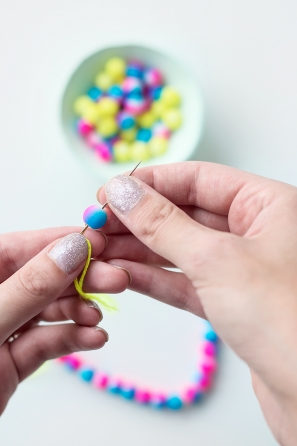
40, 281
157, 222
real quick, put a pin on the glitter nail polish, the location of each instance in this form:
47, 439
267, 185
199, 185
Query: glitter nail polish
69, 252
123, 193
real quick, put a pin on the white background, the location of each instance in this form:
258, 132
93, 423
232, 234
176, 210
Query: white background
245, 56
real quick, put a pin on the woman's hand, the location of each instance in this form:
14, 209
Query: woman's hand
234, 236
36, 276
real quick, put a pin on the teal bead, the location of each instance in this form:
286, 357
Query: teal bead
174, 403
211, 336
95, 217
87, 375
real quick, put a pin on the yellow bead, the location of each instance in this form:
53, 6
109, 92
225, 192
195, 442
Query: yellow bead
129, 135
91, 113
107, 127
107, 107
81, 104
121, 152
170, 97
158, 146
146, 120
103, 81
172, 118
116, 68
139, 151
158, 108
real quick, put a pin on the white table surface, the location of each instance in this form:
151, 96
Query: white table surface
245, 56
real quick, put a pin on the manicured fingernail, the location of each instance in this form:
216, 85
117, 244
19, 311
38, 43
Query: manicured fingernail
104, 332
105, 237
126, 271
123, 193
92, 304
69, 252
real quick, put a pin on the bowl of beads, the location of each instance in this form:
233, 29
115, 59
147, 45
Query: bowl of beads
129, 103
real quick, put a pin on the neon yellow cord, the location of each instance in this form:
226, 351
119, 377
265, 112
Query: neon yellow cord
104, 300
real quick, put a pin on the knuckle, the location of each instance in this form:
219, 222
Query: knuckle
34, 282
152, 222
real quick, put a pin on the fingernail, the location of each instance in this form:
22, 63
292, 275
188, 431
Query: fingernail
103, 331
69, 252
105, 237
123, 193
124, 269
92, 304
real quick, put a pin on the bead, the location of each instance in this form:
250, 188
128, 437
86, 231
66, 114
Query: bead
159, 129
142, 396
103, 81
95, 217
136, 106
139, 151
211, 336
107, 107
103, 150
172, 118
91, 113
73, 363
126, 121
134, 71
153, 77
158, 400
127, 391
84, 127
116, 92
174, 403
93, 139
100, 380
115, 386
115, 68
146, 120
131, 85
209, 365
81, 104
209, 348
144, 135
158, 109
170, 97
189, 394
121, 152
155, 93
95, 93
107, 127
86, 374
158, 146
129, 135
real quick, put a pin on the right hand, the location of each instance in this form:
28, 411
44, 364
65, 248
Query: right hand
234, 236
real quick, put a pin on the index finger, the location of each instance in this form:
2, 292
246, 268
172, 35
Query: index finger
209, 186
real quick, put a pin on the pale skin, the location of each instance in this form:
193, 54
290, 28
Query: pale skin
34, 289
234, 237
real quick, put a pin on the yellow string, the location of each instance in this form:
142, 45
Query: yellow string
104, 300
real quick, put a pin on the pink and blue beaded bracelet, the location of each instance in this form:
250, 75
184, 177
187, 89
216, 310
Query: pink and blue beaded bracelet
191, 393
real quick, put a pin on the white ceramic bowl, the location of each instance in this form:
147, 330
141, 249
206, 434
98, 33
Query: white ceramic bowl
184, 141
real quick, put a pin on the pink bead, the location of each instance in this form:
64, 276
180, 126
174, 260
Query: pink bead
130, 84
205, 383
103, 151
159, 129
74, 362
209, 348
189, 394
136, 106
63, 358
158, 398
92, 139
142, 396
153, 77
209, 365
100, 380
84, 127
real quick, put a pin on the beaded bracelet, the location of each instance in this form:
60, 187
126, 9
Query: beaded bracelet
192, 393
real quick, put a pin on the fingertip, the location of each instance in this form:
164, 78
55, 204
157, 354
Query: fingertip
92, 338
100, 195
